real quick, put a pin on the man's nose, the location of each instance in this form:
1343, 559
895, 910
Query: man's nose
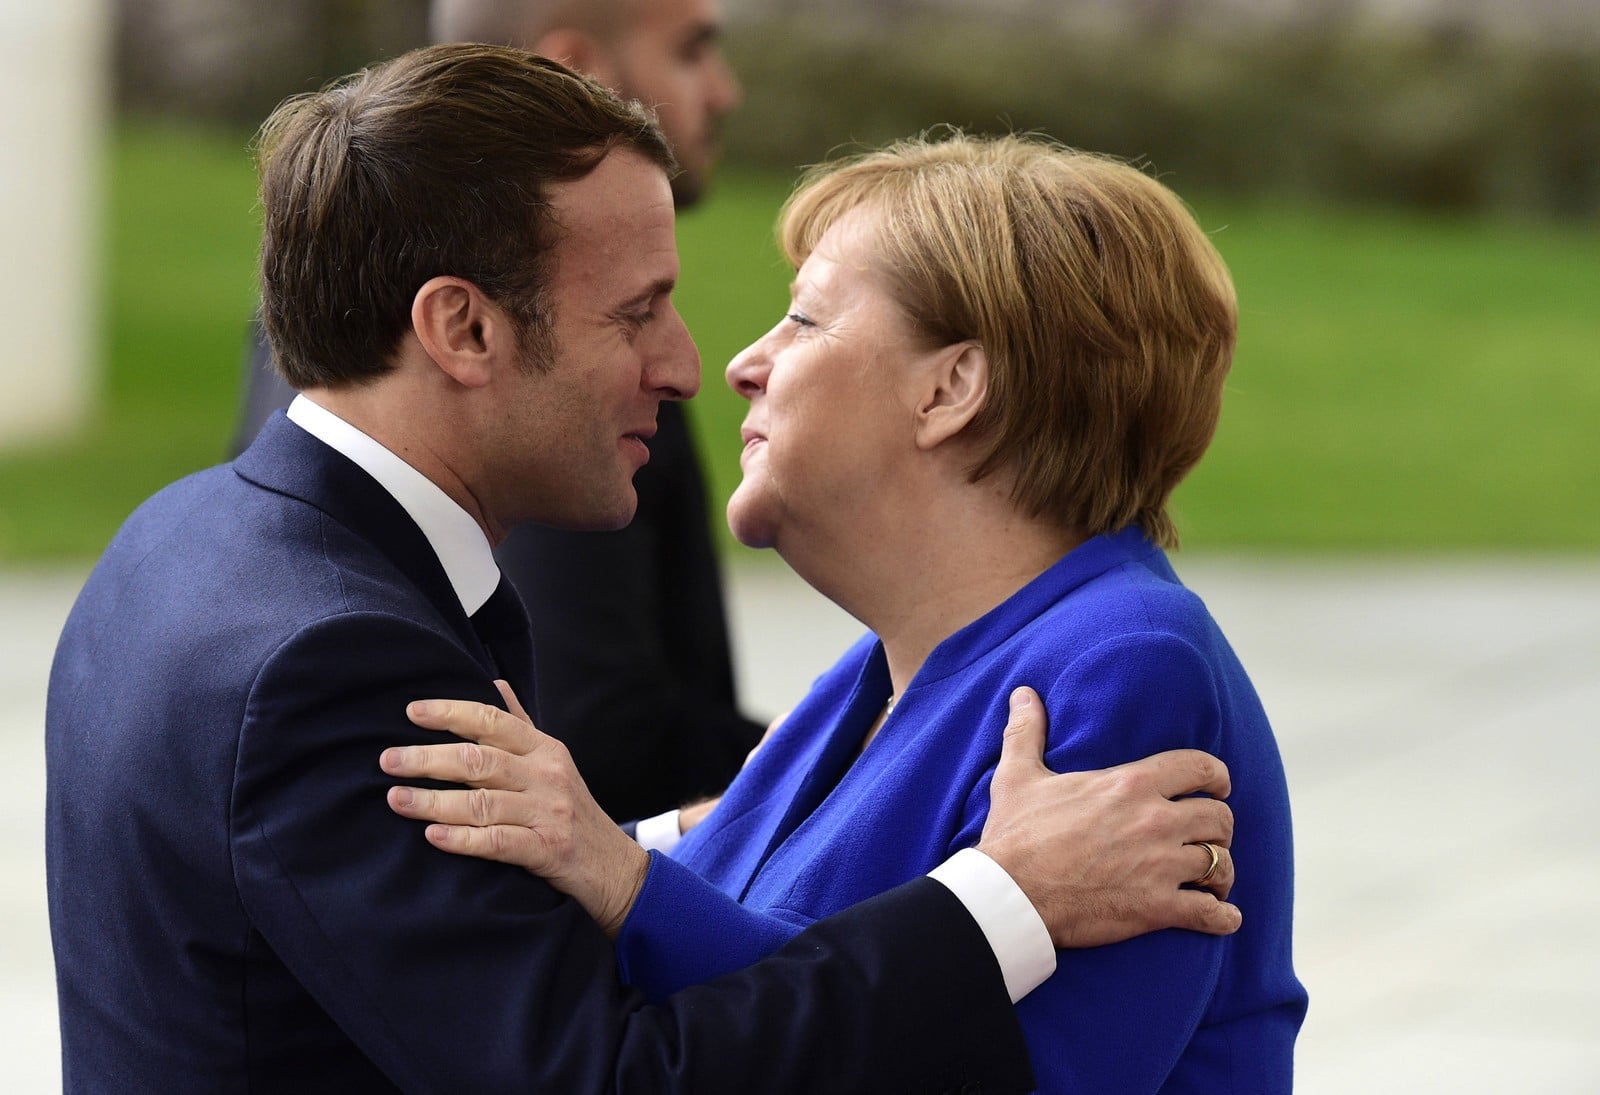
675, 373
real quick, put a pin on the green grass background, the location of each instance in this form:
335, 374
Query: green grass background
1403, 382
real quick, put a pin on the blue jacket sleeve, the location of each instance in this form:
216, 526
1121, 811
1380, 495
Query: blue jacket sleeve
684, 931
1117, 1018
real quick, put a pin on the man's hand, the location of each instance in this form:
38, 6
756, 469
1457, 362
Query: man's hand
1105, 856
529, 806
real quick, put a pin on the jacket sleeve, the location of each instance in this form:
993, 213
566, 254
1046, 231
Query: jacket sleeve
454, 974
1117, 1018
683, 930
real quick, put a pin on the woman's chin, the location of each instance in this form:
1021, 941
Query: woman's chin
748, 525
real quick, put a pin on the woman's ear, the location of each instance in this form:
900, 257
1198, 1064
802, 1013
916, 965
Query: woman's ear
467, 335
959, 376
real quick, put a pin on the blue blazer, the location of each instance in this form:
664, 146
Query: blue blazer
234, 907
1128, 663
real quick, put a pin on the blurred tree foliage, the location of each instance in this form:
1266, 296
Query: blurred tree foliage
1453, 117
1453, 114
232, 61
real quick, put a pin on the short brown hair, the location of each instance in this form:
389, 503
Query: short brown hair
1107, 317
435, 163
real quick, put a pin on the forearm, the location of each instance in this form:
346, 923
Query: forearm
453, 974
684, 931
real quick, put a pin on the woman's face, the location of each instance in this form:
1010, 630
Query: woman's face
832, 398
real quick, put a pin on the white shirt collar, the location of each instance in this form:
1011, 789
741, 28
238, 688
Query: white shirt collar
457, 539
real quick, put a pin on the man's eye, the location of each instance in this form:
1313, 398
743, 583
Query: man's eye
799, 319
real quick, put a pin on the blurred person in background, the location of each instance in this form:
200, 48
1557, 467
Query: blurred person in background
1000, 358
633, 664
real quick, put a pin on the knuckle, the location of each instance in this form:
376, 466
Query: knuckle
559, 753
1123, 782
486, 719
1016, 722
1218, 774
1225, 824
475, 759
562, 814
481, 806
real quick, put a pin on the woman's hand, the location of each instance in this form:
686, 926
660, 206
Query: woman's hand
528, 805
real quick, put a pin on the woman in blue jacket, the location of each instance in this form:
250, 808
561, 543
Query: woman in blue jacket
999, 359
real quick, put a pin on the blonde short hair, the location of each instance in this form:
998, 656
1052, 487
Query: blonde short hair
1107, 317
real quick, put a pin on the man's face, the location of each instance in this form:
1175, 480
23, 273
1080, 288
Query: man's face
574, 431
669, 60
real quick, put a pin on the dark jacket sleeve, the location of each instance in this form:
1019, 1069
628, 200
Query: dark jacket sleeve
631, 641
453, 974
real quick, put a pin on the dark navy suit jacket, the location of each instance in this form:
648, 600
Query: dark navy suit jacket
635, 673
235, 908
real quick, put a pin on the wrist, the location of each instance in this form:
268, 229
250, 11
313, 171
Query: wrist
628, 879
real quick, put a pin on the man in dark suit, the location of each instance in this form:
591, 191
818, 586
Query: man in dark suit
635, 672
467, 267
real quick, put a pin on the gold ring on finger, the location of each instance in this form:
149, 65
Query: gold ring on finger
1216, 857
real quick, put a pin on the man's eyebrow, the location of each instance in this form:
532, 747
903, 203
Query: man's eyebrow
659, 287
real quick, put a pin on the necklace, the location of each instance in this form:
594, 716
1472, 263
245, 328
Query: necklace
889, 706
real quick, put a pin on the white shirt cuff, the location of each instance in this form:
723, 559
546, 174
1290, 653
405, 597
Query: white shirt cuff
660, 833
1008, 920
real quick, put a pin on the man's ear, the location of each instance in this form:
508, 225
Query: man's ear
958, 386
579, 50
466, 334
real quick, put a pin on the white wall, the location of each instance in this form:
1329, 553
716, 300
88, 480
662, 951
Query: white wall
53, 76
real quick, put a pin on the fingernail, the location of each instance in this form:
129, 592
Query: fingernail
1021, 697
423, 709
403, 796
390, 760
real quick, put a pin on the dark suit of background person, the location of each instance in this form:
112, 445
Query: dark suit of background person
234, 907
633, 661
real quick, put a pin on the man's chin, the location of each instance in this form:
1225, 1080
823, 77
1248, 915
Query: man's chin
599, 517
618, 517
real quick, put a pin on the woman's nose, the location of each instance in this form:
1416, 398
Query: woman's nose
747, 372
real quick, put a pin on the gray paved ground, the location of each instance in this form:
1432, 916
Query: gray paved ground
1441, 728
